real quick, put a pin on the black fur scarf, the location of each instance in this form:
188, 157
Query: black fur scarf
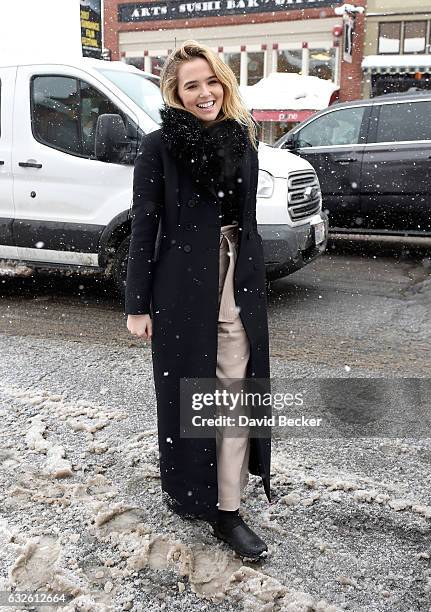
212, 154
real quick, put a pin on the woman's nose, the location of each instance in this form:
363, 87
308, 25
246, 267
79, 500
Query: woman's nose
204, 91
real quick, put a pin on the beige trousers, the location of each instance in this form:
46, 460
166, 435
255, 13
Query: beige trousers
233, 352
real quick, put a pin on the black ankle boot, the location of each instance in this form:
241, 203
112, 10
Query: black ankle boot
231, 528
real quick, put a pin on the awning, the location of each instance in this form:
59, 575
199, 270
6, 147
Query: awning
288, 116
396, 64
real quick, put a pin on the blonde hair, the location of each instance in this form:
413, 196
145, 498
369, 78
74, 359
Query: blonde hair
232, 108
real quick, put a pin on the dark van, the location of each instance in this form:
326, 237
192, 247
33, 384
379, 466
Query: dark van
373, 160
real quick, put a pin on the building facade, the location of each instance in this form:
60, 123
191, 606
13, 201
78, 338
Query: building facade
255, 37
397, 53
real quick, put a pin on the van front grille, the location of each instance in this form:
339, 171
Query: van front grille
303, 194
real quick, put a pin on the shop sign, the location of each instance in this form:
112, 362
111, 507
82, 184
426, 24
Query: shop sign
285, 116
91, 28
147, 11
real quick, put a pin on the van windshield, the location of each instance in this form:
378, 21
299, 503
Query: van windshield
140, 89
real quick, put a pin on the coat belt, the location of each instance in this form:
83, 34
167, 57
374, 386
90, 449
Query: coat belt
228, 310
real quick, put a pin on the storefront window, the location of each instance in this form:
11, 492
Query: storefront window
255, 66
322, 63
233, 60
289, 60
157, 64
389, 37
415, 36
271, 131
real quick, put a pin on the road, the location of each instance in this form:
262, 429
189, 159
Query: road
364, 311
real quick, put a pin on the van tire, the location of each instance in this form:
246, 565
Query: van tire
119, 267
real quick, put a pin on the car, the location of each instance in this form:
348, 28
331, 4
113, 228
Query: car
373, 160
69, 136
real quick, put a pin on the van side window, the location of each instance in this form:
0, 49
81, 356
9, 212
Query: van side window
55, 112
65, 112
93, 104
406, 121
340, 127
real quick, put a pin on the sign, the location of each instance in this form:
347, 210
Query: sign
286, 116
170, 9
91, 28
349, 30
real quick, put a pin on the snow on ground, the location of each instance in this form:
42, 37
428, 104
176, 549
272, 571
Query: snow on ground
349, 527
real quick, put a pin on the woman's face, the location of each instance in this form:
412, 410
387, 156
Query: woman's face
198, 86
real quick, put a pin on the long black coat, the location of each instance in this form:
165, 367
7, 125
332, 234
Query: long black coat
178, 286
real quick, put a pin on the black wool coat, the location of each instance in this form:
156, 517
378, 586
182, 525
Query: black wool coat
173, 273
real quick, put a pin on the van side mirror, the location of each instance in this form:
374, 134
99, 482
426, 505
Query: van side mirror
111, 142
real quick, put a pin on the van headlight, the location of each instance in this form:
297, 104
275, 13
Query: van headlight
265, 184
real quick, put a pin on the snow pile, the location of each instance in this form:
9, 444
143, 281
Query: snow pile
12, 268
286, 91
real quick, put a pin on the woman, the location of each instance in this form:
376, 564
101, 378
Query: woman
196, 283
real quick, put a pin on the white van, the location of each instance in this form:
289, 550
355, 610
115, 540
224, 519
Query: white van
65, 195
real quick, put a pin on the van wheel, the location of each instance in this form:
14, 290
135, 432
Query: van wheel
119, 266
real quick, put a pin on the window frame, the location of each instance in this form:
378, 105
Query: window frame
333, 61
405, 24
384, 23
297, 49
260, 52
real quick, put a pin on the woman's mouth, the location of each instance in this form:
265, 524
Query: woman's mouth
206, 106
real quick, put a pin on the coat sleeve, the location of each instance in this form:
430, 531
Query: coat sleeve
148, 200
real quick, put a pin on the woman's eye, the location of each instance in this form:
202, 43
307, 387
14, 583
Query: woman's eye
214, 81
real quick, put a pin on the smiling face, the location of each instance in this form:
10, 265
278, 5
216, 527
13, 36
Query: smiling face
199, 89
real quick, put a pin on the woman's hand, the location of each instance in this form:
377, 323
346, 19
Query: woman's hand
140, 325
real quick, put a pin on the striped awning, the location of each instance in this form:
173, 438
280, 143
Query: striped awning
396, 64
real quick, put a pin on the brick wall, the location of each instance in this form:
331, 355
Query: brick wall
351, 74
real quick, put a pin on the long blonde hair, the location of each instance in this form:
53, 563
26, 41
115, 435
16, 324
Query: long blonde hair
232, 108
